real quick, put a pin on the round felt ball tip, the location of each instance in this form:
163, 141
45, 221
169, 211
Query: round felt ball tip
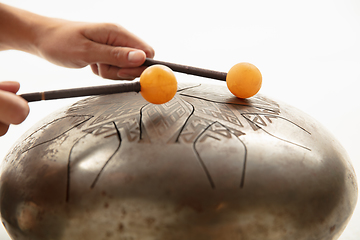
158, 84
244, 80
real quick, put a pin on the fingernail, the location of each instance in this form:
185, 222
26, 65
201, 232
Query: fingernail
136, 56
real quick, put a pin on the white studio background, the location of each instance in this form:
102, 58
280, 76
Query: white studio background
308, 52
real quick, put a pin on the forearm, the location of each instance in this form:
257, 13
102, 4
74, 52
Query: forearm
20, 29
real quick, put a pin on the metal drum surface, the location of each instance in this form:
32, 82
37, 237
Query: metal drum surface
204, 166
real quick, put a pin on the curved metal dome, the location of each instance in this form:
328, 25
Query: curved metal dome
204, 166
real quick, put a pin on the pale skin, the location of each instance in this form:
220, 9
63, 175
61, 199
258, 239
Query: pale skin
111, 51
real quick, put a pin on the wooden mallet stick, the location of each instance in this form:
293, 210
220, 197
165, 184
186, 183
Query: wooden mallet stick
81, 92
189, 70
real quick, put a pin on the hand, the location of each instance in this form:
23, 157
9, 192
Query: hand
110, 50
13, 109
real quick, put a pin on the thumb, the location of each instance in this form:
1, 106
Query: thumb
122, 57
13, 109
10, 86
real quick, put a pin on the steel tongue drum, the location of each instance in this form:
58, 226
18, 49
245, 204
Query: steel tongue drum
204, 166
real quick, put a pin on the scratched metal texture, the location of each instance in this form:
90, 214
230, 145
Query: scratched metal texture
203, 166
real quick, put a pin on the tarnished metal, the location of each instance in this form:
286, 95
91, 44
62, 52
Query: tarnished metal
205, 166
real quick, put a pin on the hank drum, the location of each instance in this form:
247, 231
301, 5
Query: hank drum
204, 166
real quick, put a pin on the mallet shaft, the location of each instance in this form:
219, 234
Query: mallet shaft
188, 69
81, 92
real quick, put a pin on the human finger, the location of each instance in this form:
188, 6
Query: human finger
130, 72
10, 86
112, 72
3, 128
13, 109
116, 35
94, 68
115, 56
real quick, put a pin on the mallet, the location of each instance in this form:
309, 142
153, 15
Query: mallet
244, 80
158, 84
